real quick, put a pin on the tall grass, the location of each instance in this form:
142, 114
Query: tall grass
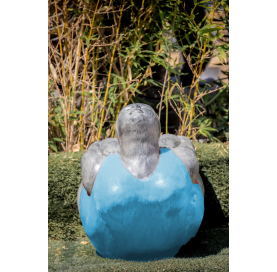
102, 55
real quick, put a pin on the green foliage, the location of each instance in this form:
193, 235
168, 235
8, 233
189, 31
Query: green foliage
142, 44
218, 114
64, 178
218, 106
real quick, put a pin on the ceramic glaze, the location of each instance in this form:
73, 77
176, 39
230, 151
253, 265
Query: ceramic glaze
141, 220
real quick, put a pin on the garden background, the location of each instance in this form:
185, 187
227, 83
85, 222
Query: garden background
103, 55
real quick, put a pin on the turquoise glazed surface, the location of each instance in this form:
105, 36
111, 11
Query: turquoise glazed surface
142, 220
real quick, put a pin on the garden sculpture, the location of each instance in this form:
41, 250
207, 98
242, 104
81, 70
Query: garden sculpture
141, 196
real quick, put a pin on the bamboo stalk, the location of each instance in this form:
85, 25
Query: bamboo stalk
193, 81
166, 109
117, 113
82, 106
78, 53
95, 65
70, 60
109, 76
67, 72
160, 109
183, 121
63, 73
60, 42
83, 84
142, 6
65, 41
199, 73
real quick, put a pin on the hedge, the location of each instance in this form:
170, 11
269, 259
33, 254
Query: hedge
214, 169
208, 251
64, 178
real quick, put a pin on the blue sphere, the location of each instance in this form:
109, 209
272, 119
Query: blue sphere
141, 220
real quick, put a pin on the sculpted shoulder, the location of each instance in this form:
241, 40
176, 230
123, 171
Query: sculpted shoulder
183, 148
92, 161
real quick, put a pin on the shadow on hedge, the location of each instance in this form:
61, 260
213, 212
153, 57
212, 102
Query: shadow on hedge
205, 243
213, 234
213, 215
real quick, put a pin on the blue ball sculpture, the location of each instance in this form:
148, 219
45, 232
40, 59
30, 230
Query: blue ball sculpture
141, 196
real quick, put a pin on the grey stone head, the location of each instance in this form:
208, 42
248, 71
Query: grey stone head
137, 123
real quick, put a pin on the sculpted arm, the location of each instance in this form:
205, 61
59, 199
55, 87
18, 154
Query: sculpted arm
183, 148
92, 161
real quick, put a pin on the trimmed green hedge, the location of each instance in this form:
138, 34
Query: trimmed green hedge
64, 178
214, 169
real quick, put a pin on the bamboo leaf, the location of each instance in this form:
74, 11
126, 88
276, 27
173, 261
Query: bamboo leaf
226, 7
162, 17
103, 132
208, 26
222, 53
129, 72
76, 112
115, 80
49, 84
87, 42
154, 82
57, 140
113, 100
51, 144
51, 122
209, 30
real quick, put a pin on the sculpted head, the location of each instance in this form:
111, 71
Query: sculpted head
138, 123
